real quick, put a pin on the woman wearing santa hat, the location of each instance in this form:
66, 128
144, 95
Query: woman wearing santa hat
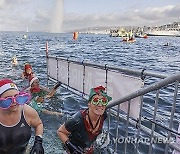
16, 120
27, 75
28, 72
38, 93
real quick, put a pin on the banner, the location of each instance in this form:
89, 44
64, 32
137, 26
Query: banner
63, 72
83, 78
93, 78
120, 85
52, 68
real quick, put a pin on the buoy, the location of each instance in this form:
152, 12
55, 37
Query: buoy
75, 35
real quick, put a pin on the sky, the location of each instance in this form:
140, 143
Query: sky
66, 15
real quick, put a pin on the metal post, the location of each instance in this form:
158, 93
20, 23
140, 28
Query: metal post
47, 63
139, 125
117, 130
127, 125
153, 125
172, 113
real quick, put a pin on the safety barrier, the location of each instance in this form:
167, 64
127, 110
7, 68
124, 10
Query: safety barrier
166, 137
152, 127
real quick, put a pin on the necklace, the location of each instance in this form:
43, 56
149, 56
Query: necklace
93, 128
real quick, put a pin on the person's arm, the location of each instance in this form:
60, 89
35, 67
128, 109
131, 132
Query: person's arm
69, 146
37, 124
34, 121
69, 126
52, 112
52, 91
63, 133
23, 76
47, 90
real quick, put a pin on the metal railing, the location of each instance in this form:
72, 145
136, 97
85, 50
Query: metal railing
151, 136
149, 129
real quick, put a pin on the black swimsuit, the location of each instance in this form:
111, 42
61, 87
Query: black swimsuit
79, 134
14, 139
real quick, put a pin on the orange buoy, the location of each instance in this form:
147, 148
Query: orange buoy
75, 35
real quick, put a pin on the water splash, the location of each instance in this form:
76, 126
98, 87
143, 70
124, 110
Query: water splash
57, 17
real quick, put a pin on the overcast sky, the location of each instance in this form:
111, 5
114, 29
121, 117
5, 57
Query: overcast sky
59, 15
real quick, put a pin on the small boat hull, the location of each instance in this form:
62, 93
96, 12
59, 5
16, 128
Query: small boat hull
128, 40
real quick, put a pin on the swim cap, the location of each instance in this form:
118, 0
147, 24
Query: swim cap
26, 66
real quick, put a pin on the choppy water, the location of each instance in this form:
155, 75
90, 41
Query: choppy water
150, 54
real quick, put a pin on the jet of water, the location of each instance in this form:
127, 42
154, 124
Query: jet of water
57, 17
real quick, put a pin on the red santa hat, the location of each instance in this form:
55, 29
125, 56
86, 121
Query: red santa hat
6, 84
32, 80
27, 66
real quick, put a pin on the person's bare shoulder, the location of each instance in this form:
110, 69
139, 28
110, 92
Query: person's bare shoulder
30, 112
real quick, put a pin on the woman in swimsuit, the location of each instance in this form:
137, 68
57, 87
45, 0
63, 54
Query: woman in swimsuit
38, 93
28, 72
79, 133
16, 121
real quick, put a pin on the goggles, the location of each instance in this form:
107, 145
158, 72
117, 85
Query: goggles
21, 98
97, 101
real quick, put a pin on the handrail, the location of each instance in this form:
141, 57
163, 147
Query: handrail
145, 90
146, 129
115, 68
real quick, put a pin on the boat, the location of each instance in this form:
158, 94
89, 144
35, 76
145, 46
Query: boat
141, 35
172, 29
129, 37
114, 33
117, 33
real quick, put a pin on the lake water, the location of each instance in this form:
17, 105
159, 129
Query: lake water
149, 54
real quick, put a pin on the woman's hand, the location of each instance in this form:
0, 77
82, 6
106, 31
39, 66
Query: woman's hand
50, 94
40, 99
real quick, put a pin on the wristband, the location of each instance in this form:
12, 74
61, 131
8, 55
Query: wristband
39, 136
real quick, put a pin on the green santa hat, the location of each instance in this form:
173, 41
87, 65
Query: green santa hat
100, 90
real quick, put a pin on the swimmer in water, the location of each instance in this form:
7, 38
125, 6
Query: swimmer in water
14, 61
39, 93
